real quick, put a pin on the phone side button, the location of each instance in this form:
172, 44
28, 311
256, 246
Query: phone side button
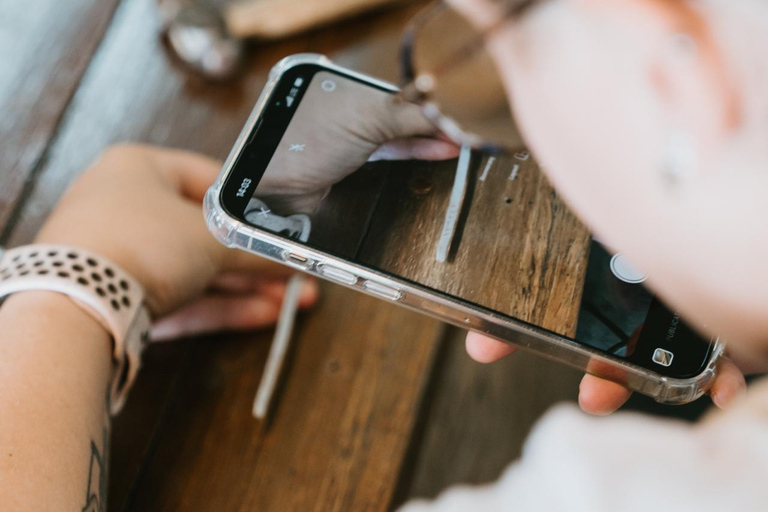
338, 275
382, 291
297, 259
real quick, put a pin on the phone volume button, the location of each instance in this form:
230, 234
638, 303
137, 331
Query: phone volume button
337, 274
383, 291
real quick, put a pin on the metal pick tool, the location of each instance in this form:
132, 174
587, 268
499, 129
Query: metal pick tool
279, 349
455, 205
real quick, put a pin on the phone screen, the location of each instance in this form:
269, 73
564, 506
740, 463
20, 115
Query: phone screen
486, 230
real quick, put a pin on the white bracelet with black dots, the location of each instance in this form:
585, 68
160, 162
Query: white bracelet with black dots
98, 286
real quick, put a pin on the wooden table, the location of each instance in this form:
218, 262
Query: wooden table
381, 404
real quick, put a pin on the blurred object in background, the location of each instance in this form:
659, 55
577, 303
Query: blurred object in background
209, 39
197, 36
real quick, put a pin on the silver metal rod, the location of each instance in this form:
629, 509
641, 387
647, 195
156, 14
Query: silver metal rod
455, 205
513, 174
279, 349
487, 169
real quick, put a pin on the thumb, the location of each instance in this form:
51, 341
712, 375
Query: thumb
191, 173
400, 120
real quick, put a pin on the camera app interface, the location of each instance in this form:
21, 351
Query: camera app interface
365, 178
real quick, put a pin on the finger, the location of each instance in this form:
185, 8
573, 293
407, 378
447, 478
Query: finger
236, 282
191, 173
270, 287
238, 261
308, 295
416, 148
486, 350
601, 397
729, 384
243, 282
217, 313
396, 121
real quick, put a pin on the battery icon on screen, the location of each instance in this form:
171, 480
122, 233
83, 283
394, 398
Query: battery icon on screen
298, 82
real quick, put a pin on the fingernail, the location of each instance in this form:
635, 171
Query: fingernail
310, 290
726, 399
720, 400
162, 330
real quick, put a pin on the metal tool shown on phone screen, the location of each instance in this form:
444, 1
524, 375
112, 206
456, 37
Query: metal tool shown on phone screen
455, 206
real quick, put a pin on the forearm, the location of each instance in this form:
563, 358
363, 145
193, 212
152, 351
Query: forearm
55, 369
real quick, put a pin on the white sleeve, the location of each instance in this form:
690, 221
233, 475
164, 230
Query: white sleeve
629, 463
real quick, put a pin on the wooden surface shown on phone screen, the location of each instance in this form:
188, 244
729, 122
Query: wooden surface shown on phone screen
518, 249
344, 217
379, 403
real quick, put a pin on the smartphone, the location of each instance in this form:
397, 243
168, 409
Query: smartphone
481, 241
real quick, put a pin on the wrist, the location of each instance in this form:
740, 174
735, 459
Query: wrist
65, 337
98, 287
126, 258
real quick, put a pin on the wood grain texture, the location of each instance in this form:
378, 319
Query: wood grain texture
135, 430
519, 250
44, 50
339, 431
344, 216
478, 417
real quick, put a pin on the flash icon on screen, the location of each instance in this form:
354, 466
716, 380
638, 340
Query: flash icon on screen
663, 357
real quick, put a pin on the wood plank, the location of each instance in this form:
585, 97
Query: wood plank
520, 251
479, 416
44, 48
340, 428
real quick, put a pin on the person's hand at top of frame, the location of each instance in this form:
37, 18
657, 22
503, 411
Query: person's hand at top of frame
649, 118
338, 127
141, 207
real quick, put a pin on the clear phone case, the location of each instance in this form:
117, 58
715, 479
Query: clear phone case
234, 233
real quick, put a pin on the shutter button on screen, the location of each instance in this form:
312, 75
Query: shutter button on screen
382, 291
623, 269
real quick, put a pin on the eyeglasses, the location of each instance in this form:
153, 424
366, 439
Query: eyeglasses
447, 71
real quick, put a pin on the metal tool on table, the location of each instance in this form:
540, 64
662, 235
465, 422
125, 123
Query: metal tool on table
210, 40
455, 205
279, 349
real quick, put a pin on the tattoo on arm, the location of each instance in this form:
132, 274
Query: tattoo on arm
98, 470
